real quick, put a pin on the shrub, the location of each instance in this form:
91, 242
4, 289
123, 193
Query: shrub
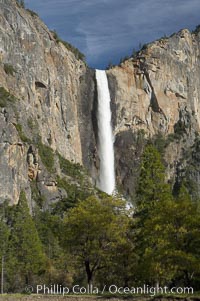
179, 129
31, 123
134, 53
9, 69
171, 138
36, 195
79, 55
69, 168
22, 136
32, 13
6, 97
74, 194
123, 59
197, 29
163, 38
159, 143
144, 47
46, 155
21, 3
110, 66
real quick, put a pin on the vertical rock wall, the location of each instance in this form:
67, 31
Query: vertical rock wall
157, 91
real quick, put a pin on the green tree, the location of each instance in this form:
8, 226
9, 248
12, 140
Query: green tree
151, 185
121, 262
92, 231
21, 3
4, 236
173, 240
134, 53
185, 237
109, 66
58, 267
151, 193
26, 256
166, 230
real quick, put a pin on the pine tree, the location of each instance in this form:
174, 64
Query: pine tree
58, 268
26, 256
186, 237
166, 229
22, 3
151, 186
173, 238
152, 193
4, 235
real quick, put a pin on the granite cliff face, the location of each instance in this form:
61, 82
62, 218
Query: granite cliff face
157, 92
45, 79
48, 101
158, 83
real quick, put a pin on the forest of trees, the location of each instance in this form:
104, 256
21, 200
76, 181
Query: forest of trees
98, 240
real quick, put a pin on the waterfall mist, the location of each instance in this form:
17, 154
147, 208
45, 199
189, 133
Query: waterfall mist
106, 180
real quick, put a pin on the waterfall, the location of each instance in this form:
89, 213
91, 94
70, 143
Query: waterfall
106, 180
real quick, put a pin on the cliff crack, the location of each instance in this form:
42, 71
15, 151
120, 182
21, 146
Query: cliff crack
153, 101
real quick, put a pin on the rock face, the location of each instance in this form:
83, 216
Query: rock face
159, 86
157, 91
48, 101
45, 78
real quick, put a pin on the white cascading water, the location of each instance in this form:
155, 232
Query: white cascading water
106, 180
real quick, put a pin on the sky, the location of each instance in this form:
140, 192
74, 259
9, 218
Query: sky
108, 30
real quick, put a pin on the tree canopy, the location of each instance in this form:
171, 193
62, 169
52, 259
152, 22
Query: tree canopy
92, 230
98, 240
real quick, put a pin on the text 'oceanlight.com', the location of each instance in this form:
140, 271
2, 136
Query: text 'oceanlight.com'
56, 289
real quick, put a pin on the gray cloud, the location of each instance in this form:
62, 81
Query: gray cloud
105, 29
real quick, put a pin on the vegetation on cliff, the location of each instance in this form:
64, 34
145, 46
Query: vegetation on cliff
6, 98
78, 54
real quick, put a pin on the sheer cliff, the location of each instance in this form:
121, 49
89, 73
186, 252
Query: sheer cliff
41, 105
156, 96
48, 101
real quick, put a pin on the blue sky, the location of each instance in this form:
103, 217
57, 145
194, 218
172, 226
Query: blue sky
106, 30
